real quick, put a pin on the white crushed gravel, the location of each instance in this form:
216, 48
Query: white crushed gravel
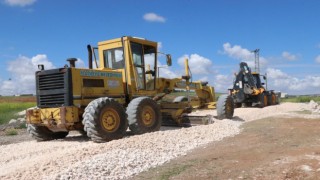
77, 158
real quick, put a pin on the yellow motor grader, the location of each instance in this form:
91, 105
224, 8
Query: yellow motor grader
122, 91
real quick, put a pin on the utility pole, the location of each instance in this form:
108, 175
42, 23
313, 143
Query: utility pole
256, 60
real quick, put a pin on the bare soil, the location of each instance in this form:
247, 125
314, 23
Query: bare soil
276, 142
22, 135
271, 148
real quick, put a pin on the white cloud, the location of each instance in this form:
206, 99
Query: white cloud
288, 56
152, 17
197, 64
159, 46
317, 59
204, 79
80, 64
281, 81
276, 74
238, 52
243, 54
222, 83
165, 71
20, 3
22, 71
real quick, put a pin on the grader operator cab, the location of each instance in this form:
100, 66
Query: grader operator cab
249, 90
122, 91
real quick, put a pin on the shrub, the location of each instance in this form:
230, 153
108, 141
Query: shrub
11, 132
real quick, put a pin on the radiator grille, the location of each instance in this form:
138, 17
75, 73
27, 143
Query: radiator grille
52, 100
51, 81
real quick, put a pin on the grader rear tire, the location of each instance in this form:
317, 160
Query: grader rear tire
263, 100
225, 107
144, 115
42, 133
272, 99
104, 119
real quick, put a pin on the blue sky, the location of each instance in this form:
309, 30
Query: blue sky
215, 35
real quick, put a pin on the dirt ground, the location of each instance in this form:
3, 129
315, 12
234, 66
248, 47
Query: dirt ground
285, 146
272, 148
22, 135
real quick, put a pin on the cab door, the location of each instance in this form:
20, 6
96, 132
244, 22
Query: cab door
144, 62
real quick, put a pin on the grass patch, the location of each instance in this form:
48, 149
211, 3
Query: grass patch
11, 132
9, 106
301, 99
23, 126
17, 99
8, 110
173, 172
303, 112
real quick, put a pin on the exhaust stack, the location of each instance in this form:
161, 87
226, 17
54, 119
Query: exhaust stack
89, 56
72, 62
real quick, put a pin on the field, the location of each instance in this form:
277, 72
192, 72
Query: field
9, 106
302, 99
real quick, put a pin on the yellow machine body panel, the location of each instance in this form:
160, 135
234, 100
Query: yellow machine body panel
90, 84
57, 119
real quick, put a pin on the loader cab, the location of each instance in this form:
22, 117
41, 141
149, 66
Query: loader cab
257, 80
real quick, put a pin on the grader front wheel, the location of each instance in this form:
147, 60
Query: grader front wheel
225, 107
143, 115
42, 133
104, 120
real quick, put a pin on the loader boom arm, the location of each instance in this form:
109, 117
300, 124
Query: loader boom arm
247, 82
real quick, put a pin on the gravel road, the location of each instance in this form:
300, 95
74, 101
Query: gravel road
78, 158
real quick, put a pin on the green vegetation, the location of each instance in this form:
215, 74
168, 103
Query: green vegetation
303, 112
9, 106
301, 99
11, 132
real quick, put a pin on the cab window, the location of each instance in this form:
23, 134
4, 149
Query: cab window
113, 58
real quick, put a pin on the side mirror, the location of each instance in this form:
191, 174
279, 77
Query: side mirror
169, 61
264, 77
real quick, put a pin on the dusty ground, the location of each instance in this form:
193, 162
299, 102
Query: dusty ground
20, 137
272, 148
278, 142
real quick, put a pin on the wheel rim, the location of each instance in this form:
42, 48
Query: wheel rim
148, 116
110, 120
